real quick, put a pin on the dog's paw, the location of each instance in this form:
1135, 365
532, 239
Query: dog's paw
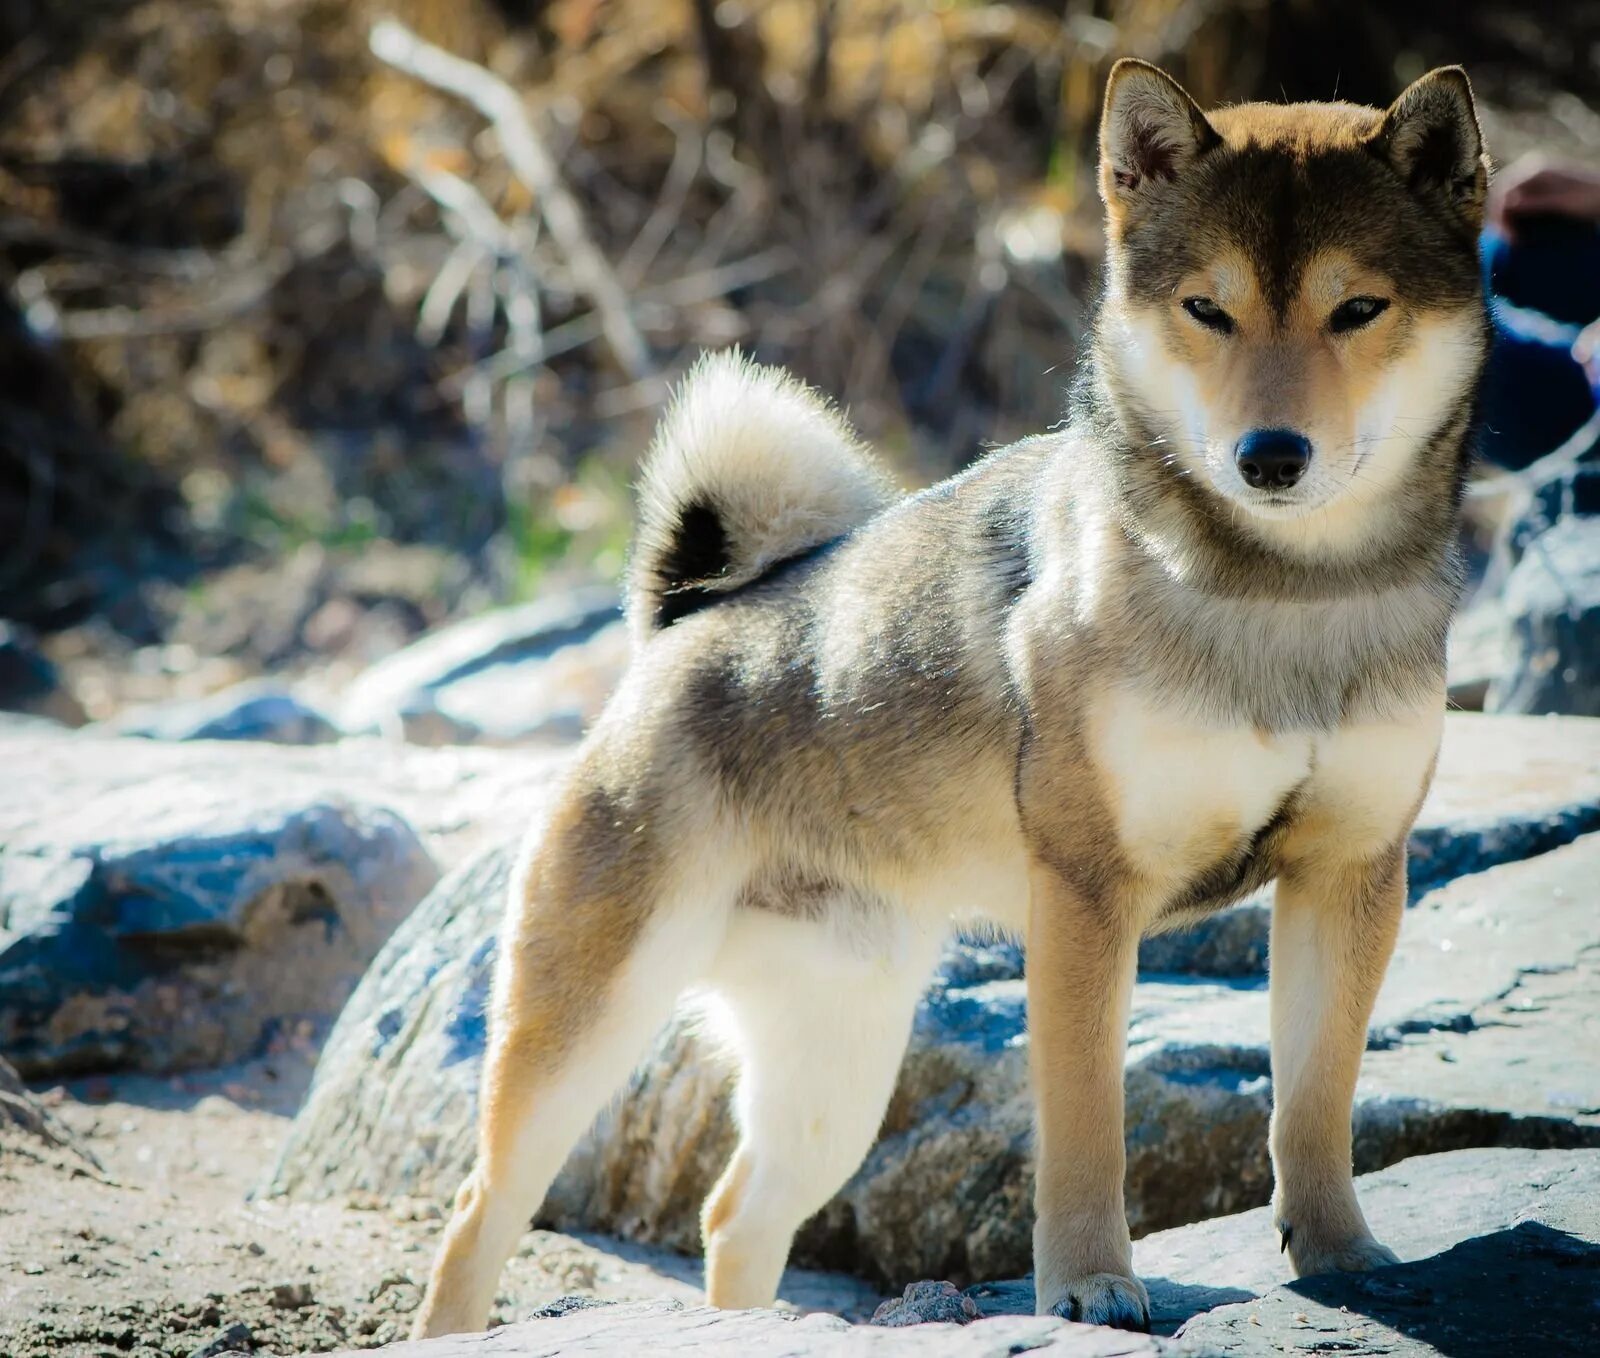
1103, 1299
1360, 1255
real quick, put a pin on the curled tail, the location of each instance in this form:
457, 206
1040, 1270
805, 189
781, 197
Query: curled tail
749, 467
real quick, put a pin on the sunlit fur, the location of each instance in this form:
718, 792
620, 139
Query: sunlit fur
1090, 688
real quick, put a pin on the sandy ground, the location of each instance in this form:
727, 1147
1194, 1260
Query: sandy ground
166, 1256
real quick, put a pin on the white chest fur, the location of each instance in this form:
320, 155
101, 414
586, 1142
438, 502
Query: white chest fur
1185, 795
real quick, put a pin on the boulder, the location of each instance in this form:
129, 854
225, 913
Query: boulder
187, 849
1551, 601
193, 930
261, 711
536, 672
1489, 967
1502, 1251
29, 683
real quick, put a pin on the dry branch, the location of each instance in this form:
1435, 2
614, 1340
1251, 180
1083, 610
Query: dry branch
396, 45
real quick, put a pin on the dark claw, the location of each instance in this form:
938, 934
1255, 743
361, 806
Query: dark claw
1129, 1318
1286, 1234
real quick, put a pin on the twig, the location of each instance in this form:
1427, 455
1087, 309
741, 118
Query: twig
681, 174
236, 297
392, 42
679, 292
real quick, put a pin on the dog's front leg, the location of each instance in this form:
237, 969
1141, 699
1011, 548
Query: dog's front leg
1081, 960
1333, 929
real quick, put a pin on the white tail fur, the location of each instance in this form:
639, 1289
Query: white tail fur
748, 468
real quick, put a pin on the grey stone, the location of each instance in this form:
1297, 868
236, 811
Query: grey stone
1489, 967
157, 929
252, 711
1421, 1208
1553, 489
103, 787
1479, 653
1502, 1251
927, 1304
671, 1327
235, 1338
1552, 605
535, 672
29, 683
1522, 1279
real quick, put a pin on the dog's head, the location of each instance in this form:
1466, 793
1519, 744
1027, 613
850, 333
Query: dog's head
1293, 303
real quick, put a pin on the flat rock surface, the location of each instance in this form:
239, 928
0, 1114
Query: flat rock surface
1500, 1250
663, 1327
456, 800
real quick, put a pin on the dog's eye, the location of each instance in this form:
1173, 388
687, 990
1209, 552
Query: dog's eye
1355, 313
1209, 314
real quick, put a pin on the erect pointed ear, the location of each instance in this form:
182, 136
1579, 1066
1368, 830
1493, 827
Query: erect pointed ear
1431, 137
1150, 132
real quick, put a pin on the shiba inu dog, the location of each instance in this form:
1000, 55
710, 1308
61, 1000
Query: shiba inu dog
1101, 683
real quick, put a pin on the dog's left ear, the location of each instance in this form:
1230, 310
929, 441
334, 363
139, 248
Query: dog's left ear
1431, 137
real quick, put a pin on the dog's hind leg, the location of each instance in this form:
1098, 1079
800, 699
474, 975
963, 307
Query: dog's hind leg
603, 933
819, 1040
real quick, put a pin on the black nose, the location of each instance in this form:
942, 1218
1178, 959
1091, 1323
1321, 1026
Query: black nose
1272, 459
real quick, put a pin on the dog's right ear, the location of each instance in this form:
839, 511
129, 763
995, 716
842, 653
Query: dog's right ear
1151, 131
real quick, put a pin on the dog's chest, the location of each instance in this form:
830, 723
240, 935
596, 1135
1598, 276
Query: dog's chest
1185, 795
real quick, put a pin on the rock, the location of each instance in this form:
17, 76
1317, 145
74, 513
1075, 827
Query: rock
1553, 489
539, 671
250, 711
1502, 1250
28, 1128
1489, 966
292, 1296
1552, 604
29, 683
162, 934
1420, 1207
456, 800
1463, 1219
235, 1338
1478, 654
671, 1327
927, 1304
1506, 1251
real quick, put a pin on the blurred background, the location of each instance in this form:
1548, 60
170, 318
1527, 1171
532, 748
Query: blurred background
312, 339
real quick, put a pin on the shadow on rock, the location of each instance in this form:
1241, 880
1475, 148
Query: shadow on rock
1528, 1289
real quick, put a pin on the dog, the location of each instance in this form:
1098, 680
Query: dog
1105, 681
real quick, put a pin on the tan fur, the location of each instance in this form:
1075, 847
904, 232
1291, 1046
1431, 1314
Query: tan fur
1088, 689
